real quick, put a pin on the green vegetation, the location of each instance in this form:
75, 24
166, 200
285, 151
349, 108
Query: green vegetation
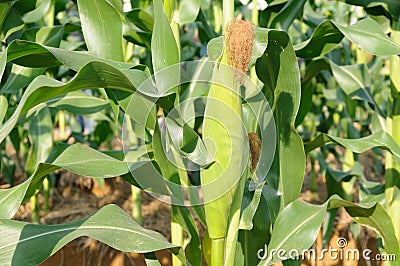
208, 93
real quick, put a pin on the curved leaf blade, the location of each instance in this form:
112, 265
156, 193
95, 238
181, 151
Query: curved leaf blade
39, 12
288, 14
296, 228
187, 11
279, 72
141, 19
78, 103
94, 74
110, 225
290, 234
379, 139
102, 28
366, 33
95, 164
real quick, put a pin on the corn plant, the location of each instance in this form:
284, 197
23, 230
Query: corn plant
243, 117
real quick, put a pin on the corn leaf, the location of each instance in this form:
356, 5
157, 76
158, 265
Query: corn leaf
287, 15
379, 139
95, 164
141, 19
392, 6
255, 227
35, 55
355, 81
163, 43
10, 200
187, 11
4, 7
366, 34
21, 76
40, 135
3, 61
289, 233
30, 244
94, 74
278, 70
77, 103
38, 13
102, 28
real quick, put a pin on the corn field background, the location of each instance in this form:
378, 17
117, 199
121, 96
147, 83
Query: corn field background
267, 127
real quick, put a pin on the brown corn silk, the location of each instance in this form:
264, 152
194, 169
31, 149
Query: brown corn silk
255, 150
239, 36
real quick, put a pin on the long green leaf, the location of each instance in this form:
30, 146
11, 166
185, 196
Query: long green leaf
250, 241
4, 7
182, 215
355, 81
289, 233
94, 164
102, 28
29, 244
379, 139
288, 14
41, 138
3, 61
21, 76
187, 11
32, 54
78, 103
163, 44
296, 228
141, 19
278, 69
393, 6
10, 200
372, 215
38, 13
94, 74
366, 34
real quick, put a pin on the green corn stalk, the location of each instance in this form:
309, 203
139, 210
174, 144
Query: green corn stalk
137, 204
392, 191
135, 191
49, 21
348, 163
61, 124
217, 15
227, 139
34, 200
223, 134
46, 192
254, 12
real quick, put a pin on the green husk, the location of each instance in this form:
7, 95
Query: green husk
224, 134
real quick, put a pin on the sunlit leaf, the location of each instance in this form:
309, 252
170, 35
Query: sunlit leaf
110, 225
